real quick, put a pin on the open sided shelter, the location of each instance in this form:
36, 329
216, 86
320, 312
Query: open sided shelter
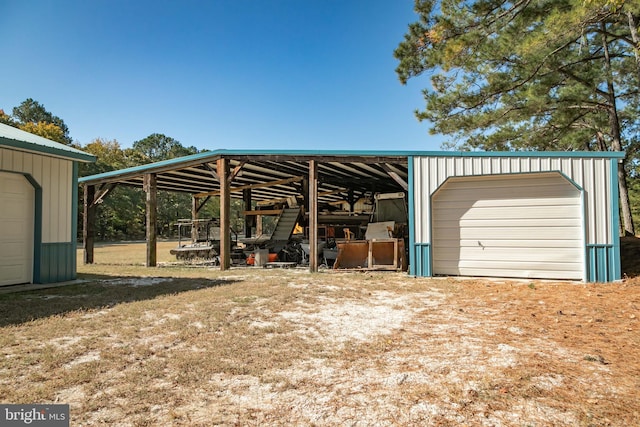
514, 214
38, 208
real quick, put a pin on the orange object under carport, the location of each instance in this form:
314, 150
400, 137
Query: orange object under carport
374, 254
251, 259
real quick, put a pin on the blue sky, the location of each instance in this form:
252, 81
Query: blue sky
234, 74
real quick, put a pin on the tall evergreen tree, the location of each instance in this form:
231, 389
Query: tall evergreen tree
31, 116
529, 75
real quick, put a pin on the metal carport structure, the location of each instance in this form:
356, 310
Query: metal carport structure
320, 176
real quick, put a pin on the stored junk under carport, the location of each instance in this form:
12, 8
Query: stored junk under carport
551, 215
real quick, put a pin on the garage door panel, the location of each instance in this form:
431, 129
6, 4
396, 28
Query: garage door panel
559, 221
517, 271
16, 229
507, 254
506, 203
521, 233
498, 211
13, 230
524, 226
13, 249
501, 266
549, 244
466, 194
11, 273
528, 213
508, 181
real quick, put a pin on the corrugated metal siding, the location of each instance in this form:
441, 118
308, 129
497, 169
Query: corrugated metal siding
524, 225
58, 262
55, 177
592, 174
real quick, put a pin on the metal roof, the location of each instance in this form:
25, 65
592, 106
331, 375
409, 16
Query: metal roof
25, 141
273, 174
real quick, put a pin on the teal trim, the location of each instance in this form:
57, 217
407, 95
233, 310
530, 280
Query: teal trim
585, 273
37, 227
57, 260
74, 217
212, 155
601, 263
412, 217
615, 261
422, 256
47, 149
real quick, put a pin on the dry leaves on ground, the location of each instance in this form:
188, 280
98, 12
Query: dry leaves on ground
261, 347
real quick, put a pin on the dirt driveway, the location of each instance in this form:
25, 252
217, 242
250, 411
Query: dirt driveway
188, 346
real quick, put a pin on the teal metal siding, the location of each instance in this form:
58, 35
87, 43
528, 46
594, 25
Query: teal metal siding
421, 264
57, 262
603, 265
615, 266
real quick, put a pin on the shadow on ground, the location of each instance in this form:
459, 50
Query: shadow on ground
93, 292
630, 256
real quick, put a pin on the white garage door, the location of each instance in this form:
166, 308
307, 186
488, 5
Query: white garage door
16, 229
527, 226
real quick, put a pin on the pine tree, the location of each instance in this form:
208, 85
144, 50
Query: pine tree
529, 75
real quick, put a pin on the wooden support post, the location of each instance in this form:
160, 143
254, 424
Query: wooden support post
248, 221
222, 169
352, 200
259, 229
305, 195
150, 188
88, 223
195, 201
313, 216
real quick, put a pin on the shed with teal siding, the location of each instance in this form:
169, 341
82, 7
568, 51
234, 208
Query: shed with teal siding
551, 215
38, 208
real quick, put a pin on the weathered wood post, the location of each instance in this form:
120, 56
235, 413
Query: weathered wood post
222, 166
150, 188
248, 221
88, 223
313, 216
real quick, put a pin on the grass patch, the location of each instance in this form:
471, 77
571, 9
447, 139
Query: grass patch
190, 345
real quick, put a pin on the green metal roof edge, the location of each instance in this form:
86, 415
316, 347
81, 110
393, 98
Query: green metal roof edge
148, 166
407, 153
311, 153
43, 145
